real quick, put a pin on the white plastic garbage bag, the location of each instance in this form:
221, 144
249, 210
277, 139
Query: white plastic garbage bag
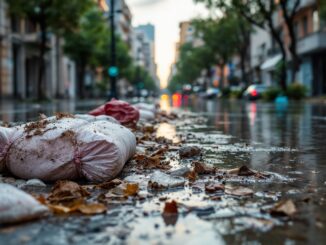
18, 206
146, 115
68, 148
146, 107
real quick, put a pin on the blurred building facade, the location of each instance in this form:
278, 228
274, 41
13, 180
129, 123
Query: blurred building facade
123, 20
19, 61
143, 49
311, 48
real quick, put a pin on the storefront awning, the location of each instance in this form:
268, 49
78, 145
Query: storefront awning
270, 63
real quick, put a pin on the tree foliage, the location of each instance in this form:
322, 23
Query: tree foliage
221, 40
261, 13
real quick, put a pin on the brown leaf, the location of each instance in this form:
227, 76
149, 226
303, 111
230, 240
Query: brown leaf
60, 209
148, 162
109, 184
131, 189
66, 191
191, 176
213, 187
148, 128
239, 191
189, 151
92, 208
202, 168
170, 208
245, 171
160, 152
61, 115
284, 208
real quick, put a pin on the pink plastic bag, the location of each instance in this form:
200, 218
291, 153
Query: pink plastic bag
120, 110
68, 148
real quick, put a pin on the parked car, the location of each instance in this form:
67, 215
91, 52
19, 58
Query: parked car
212, 93
255, 91
186, 89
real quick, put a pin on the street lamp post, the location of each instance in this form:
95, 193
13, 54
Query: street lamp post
113, 78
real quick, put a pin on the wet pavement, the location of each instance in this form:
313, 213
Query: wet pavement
286, 141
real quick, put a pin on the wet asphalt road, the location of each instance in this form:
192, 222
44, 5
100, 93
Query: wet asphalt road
287, 140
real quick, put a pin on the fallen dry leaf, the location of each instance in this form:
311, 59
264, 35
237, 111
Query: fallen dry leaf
241, 171
148, 162
213, 187
191, 176
170, 208
238, 191
66, 191
109, 184
160, 152
245, 171
131, 189
59, 209
148, 128
92, 208
189, 151
202, 168
284, 208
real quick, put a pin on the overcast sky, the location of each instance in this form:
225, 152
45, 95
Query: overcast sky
165, 15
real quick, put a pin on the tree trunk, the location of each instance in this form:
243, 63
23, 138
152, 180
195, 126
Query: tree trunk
280, 43
295, 66
243, 66
222, 76
81, 79
40, 81
244, 50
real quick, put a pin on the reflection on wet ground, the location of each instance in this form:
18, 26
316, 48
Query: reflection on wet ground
287, 142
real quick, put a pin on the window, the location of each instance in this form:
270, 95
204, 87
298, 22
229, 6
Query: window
305, 26
296, 30
315, 21
15, 24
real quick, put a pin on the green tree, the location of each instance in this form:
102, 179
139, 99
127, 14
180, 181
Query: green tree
220, 40
89, 46
86, 44
220, 43
55, 16
261, 13
322, 10
189, 66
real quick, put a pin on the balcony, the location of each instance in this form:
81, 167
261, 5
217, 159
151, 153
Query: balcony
312, 43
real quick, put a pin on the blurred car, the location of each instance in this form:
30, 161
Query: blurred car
144, 93
255, 91
186, 89
212, 93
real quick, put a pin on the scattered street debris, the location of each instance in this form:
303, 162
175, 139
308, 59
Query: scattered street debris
189, 151
284, 208
165, 177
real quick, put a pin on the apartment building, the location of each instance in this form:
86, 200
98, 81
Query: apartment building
19, 60
311, 47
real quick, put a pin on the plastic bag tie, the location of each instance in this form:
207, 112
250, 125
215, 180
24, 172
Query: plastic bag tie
78, 162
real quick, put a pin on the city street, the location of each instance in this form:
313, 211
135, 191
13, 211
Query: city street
287, 143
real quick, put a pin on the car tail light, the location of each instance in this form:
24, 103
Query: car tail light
254, 93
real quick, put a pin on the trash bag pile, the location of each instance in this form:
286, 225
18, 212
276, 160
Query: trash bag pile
93, 147
67, 147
